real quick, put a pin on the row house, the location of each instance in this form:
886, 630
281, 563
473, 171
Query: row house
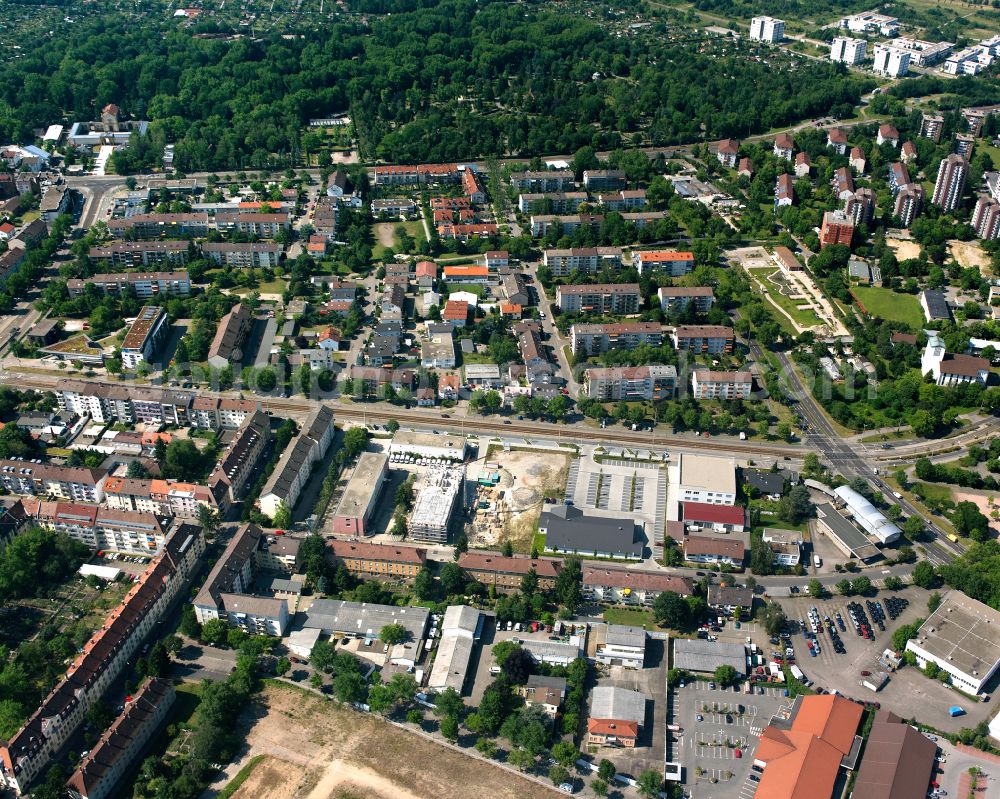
541, 224
631, 587
505, 573
227, 591
296, 463
99, 527
215, 413
32, 749
588, 260
450, 203
325, 218
544, 180
598, 338
71, 483
674, 299
134, 254
704, 339
255, 254
669, 262
119, 748
606, 298
143, 285
364, 559
160, 226
161, 497
399, 175
554, 203
709, 384
466, 232
473, 186
370, 381
631, 383
239, 462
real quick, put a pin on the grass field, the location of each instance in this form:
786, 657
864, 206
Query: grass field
803, 317
631, 617
933, 491
891, 306
415, 229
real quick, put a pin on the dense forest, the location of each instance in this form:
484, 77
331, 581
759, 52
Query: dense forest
454, 80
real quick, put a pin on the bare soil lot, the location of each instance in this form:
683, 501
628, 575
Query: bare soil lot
970, 254
904, 249
316, 750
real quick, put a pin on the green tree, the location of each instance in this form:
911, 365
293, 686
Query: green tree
815, 589
449, 703
393, 634
933, 601
568, 588
565, 753
214, 631
282, 667
558, 774
725, 675
670, 610
599, 787
924, 574
423, 585
452, 579
861, 585
649, 784
844, 587
606, 770
449, 728
282, 516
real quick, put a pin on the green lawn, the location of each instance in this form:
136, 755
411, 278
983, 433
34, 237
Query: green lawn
887, 304
631, 617
933, 491
803, 317
416, 231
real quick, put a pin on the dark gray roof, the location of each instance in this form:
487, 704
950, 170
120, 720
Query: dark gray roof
766, 482
569, 529
937, 305
721, 596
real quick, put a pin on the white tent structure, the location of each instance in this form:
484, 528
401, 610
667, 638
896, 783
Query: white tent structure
867, 516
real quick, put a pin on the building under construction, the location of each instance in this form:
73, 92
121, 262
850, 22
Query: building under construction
437, 495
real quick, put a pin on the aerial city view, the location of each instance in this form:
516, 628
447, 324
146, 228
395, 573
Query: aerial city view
503, 399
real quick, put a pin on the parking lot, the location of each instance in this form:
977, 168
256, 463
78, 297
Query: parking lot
956, 765
714, 724
909, 693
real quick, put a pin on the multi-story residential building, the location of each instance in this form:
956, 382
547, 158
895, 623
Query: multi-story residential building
160, 226
708, 384
630, 587
860, 206
568, 224
243, 254
234, 327
145, 336
99, 527
544, 181
132, 254
986, 218
784, 146
784, 191
924, 54
858, 161
604, 179
227, 592
359, 499
506, 572
871, 22
837, 139
396, 175
624, 200
240, 460
554, 203
728, 152
892, 62
473, 186
950, 182
837, 228
364, 559
843, 183
952, 370
585, 259
72, 483
252, 224
124, 741
909, 202
215, 413
727, 550
899, 176
162, 497
931, 127
846, 50
597, 338
102, 403
704, 339
156, 406
887, 134
672, 263
141, 284
400, 207
767, 29
631, 383
27, 753
677, 298
605, 298
908, 152
803, 165
295, 465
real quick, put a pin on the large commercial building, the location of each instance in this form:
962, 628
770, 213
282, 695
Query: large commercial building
606, 298
425, 445
461, 629
438, 492
362, 492
228, 592
898, 762
365, 620
960, 637
617, 717
142, 284
704, 478
703, 656
568, 529
31, 750
144, 336
848, 51
631, 383
296, 463
621, 645
767, 29
950, 182
120, 746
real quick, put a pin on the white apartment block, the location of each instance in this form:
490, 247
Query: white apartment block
582, 259
891, 61
708, 384
767, 29
703, 478
848, 51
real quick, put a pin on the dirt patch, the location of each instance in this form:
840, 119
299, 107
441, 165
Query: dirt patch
987, 502
514, 505
970, 254
904, 249
385, 233
317, 750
